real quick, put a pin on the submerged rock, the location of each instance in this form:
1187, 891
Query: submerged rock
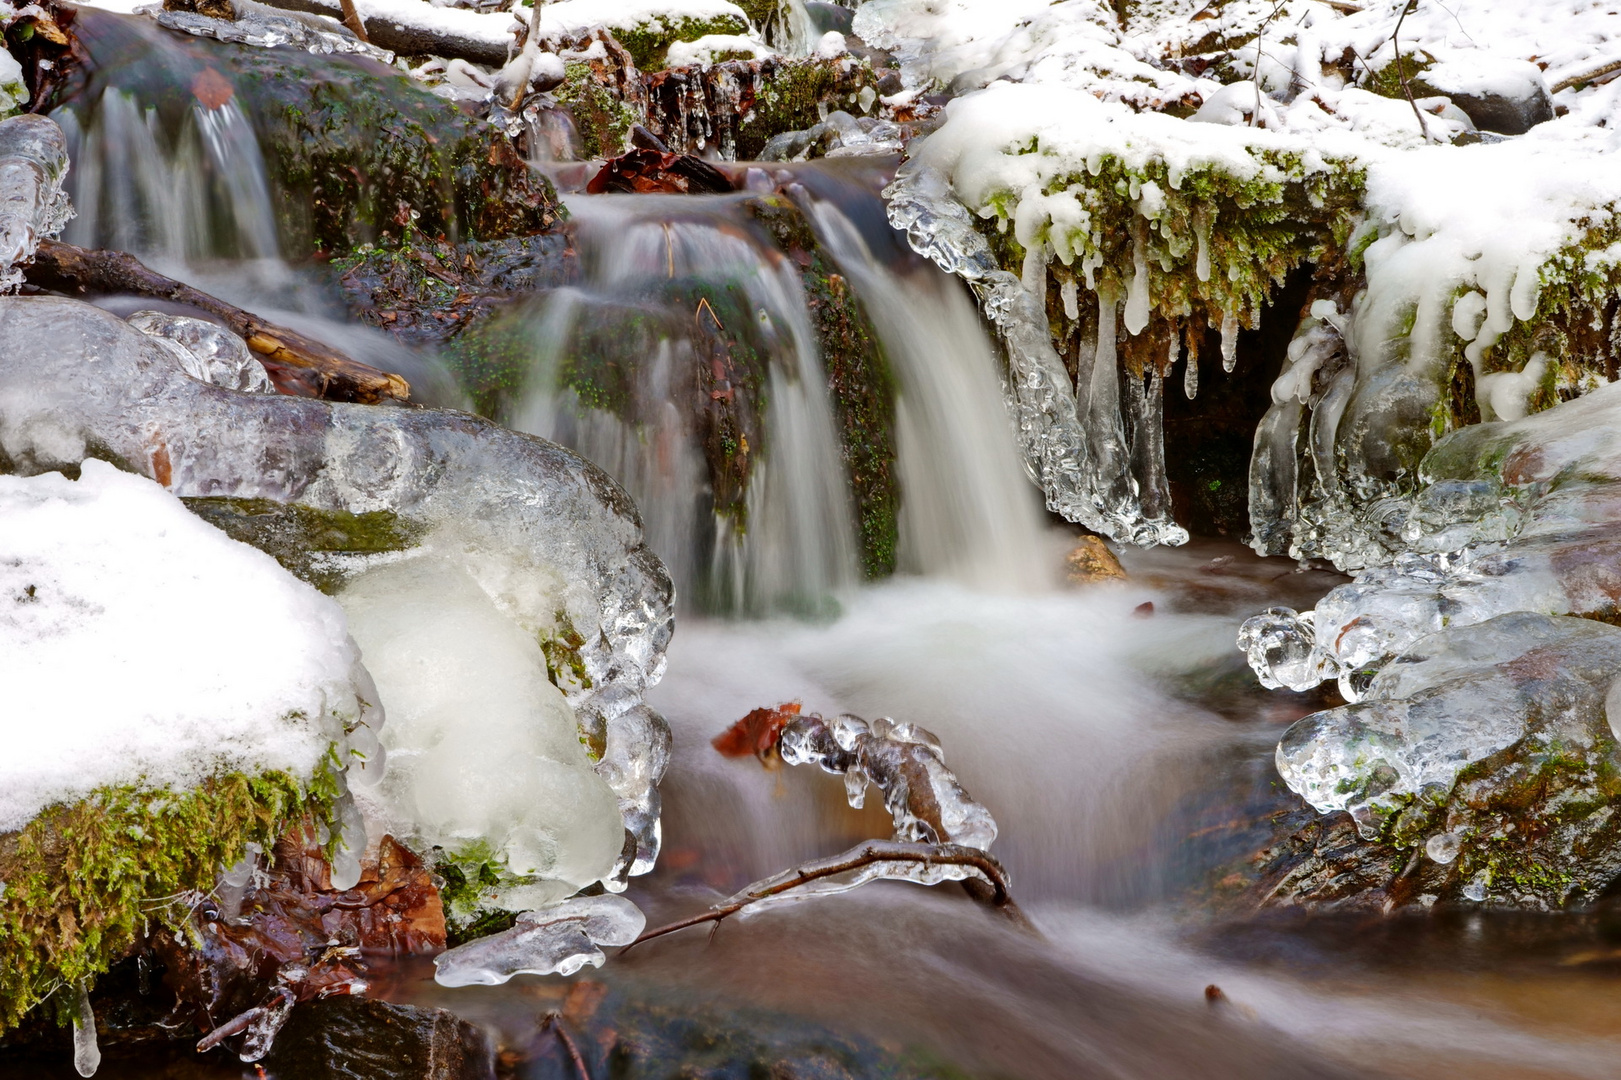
348, 1038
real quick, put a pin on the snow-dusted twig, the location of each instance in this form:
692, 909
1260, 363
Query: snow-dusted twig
1585, 76
1401, 69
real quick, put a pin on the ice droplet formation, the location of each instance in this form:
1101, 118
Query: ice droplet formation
86, 1053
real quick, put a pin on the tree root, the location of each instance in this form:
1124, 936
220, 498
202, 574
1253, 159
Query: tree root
296, 363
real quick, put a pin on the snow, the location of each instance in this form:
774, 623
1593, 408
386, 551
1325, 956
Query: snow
141, 646
13, 92
573, 18
712, 48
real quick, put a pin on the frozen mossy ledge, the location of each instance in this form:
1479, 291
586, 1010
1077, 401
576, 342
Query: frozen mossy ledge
170, 696
646, 28
549, 543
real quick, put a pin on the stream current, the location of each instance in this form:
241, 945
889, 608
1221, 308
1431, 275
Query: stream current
1113, 729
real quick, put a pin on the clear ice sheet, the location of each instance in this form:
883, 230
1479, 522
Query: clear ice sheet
560, 939
1452, 699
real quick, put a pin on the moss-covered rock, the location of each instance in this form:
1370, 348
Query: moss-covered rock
357, 151
81, 881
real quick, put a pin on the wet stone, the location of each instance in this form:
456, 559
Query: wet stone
350, 1038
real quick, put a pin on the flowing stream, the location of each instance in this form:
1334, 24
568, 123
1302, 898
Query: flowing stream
1113, 729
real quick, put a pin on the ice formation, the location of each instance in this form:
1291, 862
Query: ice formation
549, 540
1513, 516
206, 351
903, 761
484, 752
1062, 142
140, 646
33, 164
1452, 699
86, 1053
562, 939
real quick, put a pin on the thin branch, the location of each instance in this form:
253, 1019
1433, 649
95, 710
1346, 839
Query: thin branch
1585, 76
1401, 69
873, 851
555, 1022
351, 19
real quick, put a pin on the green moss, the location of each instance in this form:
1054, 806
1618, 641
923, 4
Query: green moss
564, 665
1256, 229
649, 40
602, 118
1386, 81
467, 879
82, 880
798, 94
299, 537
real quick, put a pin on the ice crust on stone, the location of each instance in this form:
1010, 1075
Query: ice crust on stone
33, 206
905, 762
141, 646
483, 749
549, 539
1511, 517
1452, 699
562, 939
206, 351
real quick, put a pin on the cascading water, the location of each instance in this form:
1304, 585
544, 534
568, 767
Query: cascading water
1101, 727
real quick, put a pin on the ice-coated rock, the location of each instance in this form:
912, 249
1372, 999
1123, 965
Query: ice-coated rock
484, 751
1512, 517
549, 541
562, 938
206, 351
33, 164
1487, 749
1452, 699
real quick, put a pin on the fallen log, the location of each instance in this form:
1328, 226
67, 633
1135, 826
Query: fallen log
297, 365
449, 32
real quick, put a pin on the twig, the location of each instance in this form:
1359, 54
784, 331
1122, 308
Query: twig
873, 851
1401, 70
70, 269
555, 1022
1585, 76
351, 19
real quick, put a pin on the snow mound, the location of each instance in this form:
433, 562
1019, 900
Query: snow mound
141, 646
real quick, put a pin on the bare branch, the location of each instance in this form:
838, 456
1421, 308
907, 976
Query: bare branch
871, 853
1401, 69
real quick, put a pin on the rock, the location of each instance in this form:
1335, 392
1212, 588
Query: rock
350, 1038
1508, 97
214, 9
1481, 767
1093, 561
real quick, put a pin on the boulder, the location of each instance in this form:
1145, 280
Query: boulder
1508, 97
351, 1038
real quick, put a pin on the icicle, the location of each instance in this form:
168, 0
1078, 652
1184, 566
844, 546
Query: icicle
1137, 293
1069, 293
86, 1054
1229, 341
1201, 232
1190, 377
1148, 444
